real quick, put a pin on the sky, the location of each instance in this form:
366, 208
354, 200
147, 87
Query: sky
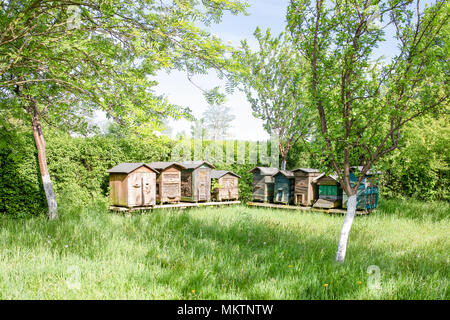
176, 87
263, 13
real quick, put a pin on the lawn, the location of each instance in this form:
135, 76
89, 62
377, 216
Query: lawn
226, 253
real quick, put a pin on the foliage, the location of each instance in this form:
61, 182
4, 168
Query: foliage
420, 169
218, 121
21, 191
222, 253
77, 165
273, 80
362, 102
106, 59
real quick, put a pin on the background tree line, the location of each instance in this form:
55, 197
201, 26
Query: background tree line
78, 165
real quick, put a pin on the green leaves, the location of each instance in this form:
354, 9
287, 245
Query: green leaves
273, 79
362, 102
108, 61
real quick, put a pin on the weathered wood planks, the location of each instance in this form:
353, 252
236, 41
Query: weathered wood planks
181, 205
290, 207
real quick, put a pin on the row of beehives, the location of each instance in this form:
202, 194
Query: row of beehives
310, 187
144, 185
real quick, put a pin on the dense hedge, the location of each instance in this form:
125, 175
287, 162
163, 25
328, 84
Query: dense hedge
78, 165
420, 168
21, 189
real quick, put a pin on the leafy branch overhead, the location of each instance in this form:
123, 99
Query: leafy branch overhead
362, 101
62, 60
108, 57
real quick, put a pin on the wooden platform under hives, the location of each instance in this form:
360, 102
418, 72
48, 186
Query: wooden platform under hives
181, 205
290, 207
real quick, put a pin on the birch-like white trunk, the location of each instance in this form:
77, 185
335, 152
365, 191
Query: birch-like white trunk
345, 231
283, 164
42, 158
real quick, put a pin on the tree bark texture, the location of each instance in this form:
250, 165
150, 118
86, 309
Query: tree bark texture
345, 231
42, 157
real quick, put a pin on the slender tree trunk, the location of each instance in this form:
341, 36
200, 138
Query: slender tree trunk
345, 231
42, 157
283, 163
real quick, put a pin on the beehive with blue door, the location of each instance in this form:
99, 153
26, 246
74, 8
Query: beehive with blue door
283, 191
329, 192
368, 191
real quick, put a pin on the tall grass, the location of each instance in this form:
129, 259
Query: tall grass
223, 253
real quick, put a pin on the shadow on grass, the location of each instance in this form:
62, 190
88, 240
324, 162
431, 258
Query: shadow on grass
238, 253
259, 261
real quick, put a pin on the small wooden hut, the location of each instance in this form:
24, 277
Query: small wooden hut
284, 187
263, 183
132, 185
305, 192
227, 188
196, 181
368, 191
168, 182
329, 192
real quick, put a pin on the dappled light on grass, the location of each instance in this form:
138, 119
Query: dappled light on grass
220, 253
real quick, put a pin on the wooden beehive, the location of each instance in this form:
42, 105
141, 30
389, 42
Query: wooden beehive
132, 185
305, 192
196, 181
284, 187
263, 183
368, 191
227, 188
168, 181
329, 192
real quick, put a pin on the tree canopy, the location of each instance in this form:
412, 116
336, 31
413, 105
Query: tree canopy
61, 60
361, 102
273, 81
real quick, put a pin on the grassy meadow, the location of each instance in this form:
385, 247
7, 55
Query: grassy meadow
226, 253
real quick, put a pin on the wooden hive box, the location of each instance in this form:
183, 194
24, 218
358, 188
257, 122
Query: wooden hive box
305, 192
168, 181
196, 181
263, 183
132, 185
228, 185
284, 182
368, 192
329, 192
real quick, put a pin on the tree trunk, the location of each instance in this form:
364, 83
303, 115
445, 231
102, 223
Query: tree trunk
283, 164
345, 231
42, 157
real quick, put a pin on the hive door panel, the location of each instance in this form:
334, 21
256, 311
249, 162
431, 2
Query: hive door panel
135, 195
171, 190
202, 185
148, 188
186, 184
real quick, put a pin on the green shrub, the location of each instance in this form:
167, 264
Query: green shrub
420, 168
77, 166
